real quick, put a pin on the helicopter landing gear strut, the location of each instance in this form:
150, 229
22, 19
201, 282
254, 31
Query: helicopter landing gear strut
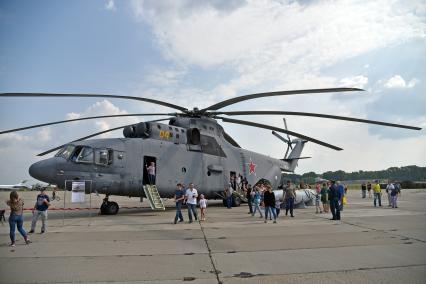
109, 207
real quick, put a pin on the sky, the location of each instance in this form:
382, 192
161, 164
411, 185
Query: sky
197, 53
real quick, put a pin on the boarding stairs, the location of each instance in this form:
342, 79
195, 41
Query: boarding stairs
153, 197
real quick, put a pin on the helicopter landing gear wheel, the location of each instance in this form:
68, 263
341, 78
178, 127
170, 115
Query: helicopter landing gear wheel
109, 207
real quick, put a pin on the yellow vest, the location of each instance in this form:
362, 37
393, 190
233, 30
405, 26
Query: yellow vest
376, 188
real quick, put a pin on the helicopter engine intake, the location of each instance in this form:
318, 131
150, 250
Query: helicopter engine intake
193, 136
129, 131
140, 130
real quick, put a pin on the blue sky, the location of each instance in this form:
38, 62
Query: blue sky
195, 53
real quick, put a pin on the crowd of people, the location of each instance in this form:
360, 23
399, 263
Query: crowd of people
329, 197
189, 197
393, 190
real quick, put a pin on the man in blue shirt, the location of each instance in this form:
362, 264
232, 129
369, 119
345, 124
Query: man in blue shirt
179, 197
341, 189
334, 197
40, 209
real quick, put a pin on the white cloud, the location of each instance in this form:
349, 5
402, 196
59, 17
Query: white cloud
110, 5
265, 42
44, 134
10, 139
72, 115
398, 82
100, 108
264, 29
165, 77
358, 81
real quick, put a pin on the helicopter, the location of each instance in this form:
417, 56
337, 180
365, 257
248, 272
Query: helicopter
191, 148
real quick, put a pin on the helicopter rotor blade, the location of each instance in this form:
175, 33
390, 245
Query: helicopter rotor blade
93, 135
82, 118
231, 113
304, 137
280, 137
272, 94
231, 140
288, 142
95, 96
286, 128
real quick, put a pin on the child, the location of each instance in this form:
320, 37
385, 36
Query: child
278, 206
317, 198
203, 206
15, 219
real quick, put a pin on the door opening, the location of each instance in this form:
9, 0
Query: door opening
149, 170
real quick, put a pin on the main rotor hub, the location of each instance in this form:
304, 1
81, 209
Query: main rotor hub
195, 112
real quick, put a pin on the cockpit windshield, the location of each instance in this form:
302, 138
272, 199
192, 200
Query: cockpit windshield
65, 152
85, 155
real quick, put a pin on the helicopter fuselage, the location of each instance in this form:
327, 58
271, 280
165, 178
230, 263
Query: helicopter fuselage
117, 166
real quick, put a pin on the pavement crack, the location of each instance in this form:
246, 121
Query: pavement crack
249, 275
215, 270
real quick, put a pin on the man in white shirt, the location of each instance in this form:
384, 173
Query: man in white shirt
389, 189
191, 195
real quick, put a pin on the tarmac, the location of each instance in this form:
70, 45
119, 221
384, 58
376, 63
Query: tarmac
369, 245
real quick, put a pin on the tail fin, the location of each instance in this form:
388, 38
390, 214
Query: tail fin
294, 156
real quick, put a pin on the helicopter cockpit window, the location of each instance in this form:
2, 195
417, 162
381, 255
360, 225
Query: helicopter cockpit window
210, 146
85, 155
65, 152
103, 157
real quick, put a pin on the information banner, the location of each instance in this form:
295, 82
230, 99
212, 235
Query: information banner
78, 189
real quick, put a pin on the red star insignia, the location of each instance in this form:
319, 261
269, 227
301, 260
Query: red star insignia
252, 167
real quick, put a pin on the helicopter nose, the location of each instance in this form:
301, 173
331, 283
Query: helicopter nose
43, 170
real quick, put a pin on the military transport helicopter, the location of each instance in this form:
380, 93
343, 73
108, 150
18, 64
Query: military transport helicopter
192, 147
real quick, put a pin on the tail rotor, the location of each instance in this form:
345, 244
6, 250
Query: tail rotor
287, 141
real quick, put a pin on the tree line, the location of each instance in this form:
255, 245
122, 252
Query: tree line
408, 174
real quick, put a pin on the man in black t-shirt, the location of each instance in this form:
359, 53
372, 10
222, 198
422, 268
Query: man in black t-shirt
269, 200
249, 198
364, 190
